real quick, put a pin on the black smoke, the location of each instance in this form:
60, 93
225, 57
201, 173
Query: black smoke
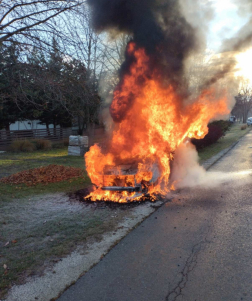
155, 25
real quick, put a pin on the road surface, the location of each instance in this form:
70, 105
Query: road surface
196, 248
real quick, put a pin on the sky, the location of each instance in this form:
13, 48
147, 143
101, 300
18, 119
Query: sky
227, 21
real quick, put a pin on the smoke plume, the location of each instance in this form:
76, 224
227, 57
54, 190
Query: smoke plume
159, 27
239, 42
186, 172
153, 101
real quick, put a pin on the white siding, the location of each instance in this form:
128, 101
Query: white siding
28, 125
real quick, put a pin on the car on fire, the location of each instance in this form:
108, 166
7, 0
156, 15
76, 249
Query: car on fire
124, 178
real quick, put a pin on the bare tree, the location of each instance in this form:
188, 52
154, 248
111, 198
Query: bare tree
101, 53
243, 101
20, 17
85, 58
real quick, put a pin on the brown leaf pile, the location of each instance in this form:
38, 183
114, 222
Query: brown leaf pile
45, 175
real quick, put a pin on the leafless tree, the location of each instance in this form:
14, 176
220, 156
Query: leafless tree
243, 101
21, 18
86, 57
101, 53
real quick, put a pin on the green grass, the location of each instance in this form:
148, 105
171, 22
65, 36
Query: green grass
11, 163
233, 135
20, 191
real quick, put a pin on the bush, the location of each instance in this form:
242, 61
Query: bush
223, 124
215, 132
22, 146
243, 127
30, 145
42, 144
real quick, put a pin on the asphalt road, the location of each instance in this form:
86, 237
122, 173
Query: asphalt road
196, 248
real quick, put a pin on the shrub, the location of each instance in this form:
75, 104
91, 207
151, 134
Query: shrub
243, 127
22, 146
42, 144
223, 124
215, 132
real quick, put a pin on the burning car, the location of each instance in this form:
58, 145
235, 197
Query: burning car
126, 183
155, 106
151, 120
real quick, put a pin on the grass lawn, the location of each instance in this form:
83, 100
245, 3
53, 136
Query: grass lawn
37, 231
26, 240
11, 163
234, 134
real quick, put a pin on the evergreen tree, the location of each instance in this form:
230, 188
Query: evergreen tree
9, 85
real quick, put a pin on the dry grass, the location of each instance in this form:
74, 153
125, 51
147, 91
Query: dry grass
22, 146
66, 141
42, 144
30, 145
37, 231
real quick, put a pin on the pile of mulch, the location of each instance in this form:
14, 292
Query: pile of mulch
43, 175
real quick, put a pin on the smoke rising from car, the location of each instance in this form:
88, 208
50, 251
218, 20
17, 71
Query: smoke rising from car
187, 173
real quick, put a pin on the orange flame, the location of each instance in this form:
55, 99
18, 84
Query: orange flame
154, 125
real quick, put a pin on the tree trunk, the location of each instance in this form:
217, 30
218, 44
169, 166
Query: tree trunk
54, 130
81, 124
48, 130
89, 52
7, 129
61, 133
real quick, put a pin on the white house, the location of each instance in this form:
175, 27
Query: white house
29, 125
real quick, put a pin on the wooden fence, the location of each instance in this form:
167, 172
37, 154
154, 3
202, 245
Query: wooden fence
7, 137
95, 135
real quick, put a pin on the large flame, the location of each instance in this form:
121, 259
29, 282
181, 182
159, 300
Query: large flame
154, 120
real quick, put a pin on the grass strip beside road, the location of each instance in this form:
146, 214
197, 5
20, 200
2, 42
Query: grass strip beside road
39, 224
37, 232
233, 135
